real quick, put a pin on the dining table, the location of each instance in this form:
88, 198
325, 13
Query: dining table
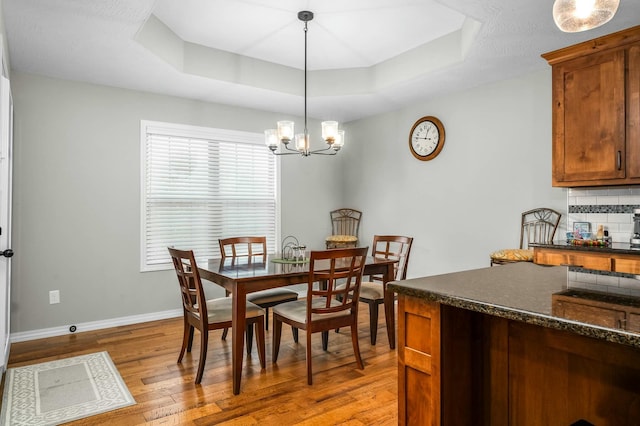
243, 275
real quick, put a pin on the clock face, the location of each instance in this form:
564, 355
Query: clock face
426, 138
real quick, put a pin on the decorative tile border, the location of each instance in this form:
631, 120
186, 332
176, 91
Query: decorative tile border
600, 273
603, 208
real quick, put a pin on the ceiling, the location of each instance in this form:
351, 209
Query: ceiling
365, 57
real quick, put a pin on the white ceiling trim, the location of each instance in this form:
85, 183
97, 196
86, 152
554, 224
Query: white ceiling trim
366, 57
220, 65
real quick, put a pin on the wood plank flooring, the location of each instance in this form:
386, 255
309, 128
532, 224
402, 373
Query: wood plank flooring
146, 355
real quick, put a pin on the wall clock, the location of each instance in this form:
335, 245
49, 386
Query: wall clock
426, 138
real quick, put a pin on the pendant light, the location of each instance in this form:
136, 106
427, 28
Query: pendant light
284, 133
573, 16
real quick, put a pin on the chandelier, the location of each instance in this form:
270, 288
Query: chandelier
284, 133
573, 16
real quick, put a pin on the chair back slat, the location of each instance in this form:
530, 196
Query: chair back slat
193, 297
395, 247
335, 267
243, 247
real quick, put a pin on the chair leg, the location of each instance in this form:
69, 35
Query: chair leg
191, 328
260, 342
266, 318
373, 321
325, 340
294, 331
356, 346
226, 330
186, 334
249, 341
275, 345
308, 352
204, 340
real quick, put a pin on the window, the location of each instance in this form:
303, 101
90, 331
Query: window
201, 184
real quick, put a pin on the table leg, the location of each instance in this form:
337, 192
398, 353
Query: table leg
237, 332
389, 307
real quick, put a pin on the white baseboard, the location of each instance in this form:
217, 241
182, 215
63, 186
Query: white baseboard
6, 357
93, 325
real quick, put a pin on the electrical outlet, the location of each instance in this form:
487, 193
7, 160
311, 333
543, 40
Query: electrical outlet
54, 297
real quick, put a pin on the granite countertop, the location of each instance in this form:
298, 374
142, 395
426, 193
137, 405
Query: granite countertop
519, 291
616, 248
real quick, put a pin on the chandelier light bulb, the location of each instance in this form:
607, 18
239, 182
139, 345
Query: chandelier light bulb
302, 142
271, 139
339, 142
329, 131
285, 131
584, 8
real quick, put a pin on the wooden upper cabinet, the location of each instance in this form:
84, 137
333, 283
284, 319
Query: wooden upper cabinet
633, 112
596, 111
590, 139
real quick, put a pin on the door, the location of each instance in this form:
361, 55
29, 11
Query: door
6, 152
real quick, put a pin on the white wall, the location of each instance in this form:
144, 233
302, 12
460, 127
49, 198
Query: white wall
77, 205
465, 203
5, 46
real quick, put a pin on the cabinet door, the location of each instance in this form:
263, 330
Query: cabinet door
600, 262
633, 322
556, 378
418, 362
596, 315
589, 118
628, 265
633, 112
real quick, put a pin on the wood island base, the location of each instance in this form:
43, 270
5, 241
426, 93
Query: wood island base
461, 367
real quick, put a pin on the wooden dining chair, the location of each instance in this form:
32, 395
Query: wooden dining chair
251, 248
206, 315
320, 311
372, 292
395, 247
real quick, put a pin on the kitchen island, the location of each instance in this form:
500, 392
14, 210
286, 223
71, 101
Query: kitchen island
490, 346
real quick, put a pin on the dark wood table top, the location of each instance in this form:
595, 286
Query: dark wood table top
259, 267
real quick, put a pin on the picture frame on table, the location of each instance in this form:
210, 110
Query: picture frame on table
581, 228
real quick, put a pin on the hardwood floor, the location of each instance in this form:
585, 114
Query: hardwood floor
146, 356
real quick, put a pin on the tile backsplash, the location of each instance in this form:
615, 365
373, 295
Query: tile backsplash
608, 282
611, 207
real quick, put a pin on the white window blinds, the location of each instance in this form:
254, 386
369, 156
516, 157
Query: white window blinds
202, 184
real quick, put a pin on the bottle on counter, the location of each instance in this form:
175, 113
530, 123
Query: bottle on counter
600, 233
